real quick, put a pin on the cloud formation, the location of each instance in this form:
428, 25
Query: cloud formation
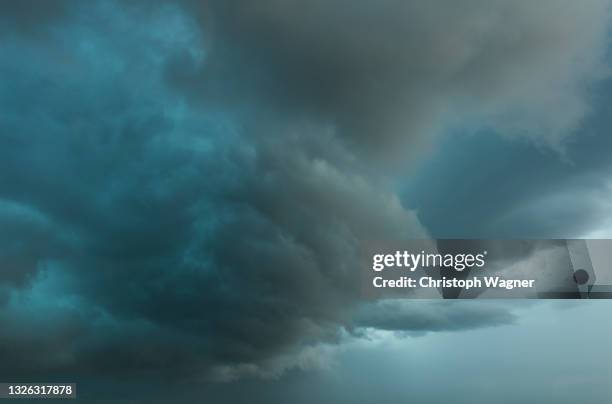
188, 193
391, 73
422, 317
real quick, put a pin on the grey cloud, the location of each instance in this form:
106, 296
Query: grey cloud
391, 73
525, 192
419, 317
154, 239
171, 238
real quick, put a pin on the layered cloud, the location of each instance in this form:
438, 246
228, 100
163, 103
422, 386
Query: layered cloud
421, 317
184, 186
391, 73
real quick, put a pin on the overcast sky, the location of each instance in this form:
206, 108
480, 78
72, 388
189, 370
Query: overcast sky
184, 186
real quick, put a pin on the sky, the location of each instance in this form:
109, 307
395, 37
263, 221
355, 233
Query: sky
184, 187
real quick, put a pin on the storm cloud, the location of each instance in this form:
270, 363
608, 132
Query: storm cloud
184, 186
385, 74
422, 317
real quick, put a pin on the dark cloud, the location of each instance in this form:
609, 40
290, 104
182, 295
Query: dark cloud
387, 74
422, 317
30, 17
186, 195
146, 236
525, 191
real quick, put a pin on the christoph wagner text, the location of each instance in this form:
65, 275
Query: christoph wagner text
428, 282
411, 261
